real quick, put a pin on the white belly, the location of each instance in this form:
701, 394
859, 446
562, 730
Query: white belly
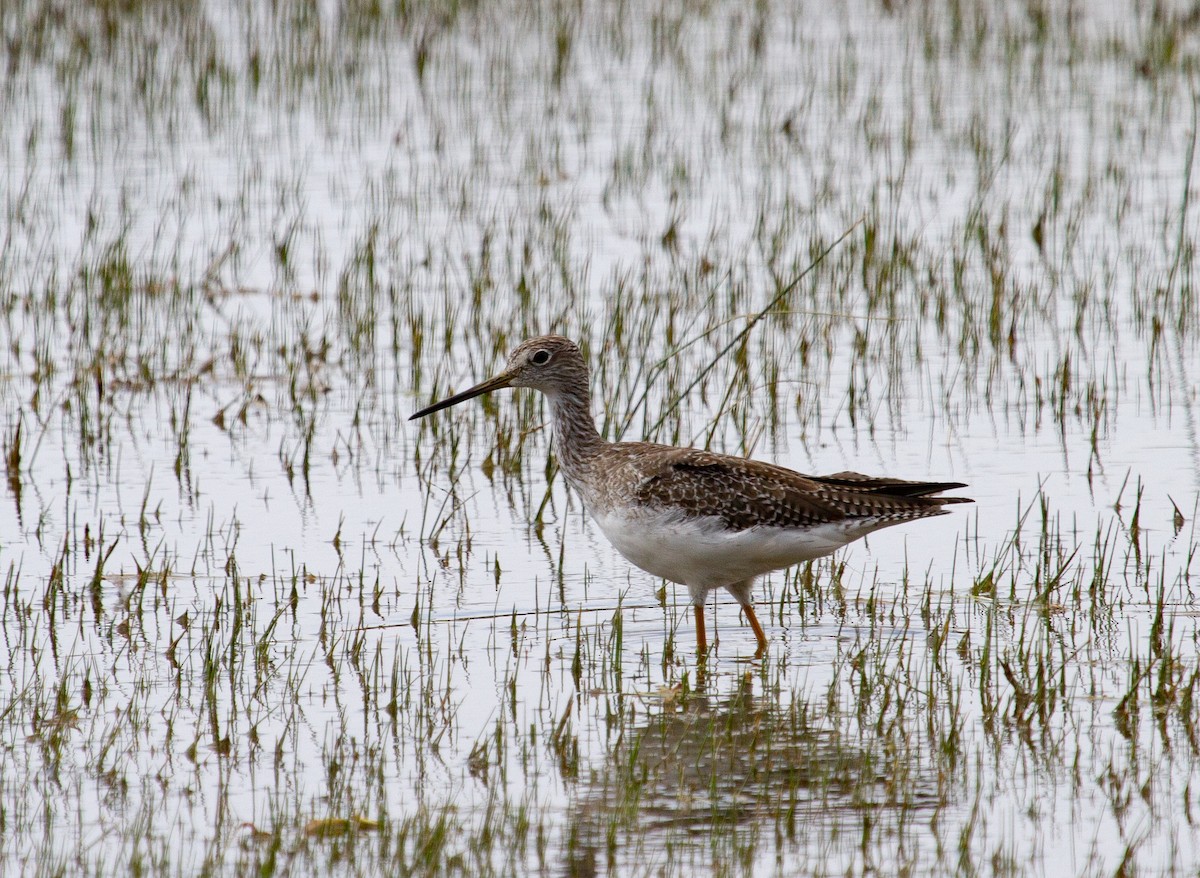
702, 554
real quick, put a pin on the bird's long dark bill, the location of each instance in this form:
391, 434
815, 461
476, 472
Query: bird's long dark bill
478, 390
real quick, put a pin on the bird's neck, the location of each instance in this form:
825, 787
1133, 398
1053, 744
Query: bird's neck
575, 438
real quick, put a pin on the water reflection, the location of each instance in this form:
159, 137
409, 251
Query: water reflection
737, 775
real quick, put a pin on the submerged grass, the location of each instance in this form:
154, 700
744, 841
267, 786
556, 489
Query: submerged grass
254, 621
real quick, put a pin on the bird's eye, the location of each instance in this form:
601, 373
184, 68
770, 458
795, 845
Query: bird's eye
541, 358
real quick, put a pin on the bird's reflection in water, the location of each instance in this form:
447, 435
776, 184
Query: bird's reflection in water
739, 775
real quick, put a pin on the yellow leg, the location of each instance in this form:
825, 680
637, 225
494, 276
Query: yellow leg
701, 640
759, 634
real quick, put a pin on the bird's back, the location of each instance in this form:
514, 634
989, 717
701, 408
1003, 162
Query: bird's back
746, 493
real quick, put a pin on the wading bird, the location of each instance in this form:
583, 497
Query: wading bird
700, 519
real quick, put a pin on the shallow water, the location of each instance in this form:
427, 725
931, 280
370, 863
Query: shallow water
244, 593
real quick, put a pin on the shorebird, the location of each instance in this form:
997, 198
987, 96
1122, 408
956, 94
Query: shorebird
693, 517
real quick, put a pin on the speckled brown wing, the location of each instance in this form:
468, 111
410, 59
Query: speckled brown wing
748, 493
893, 487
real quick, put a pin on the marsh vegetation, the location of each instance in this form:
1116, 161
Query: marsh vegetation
255, 620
